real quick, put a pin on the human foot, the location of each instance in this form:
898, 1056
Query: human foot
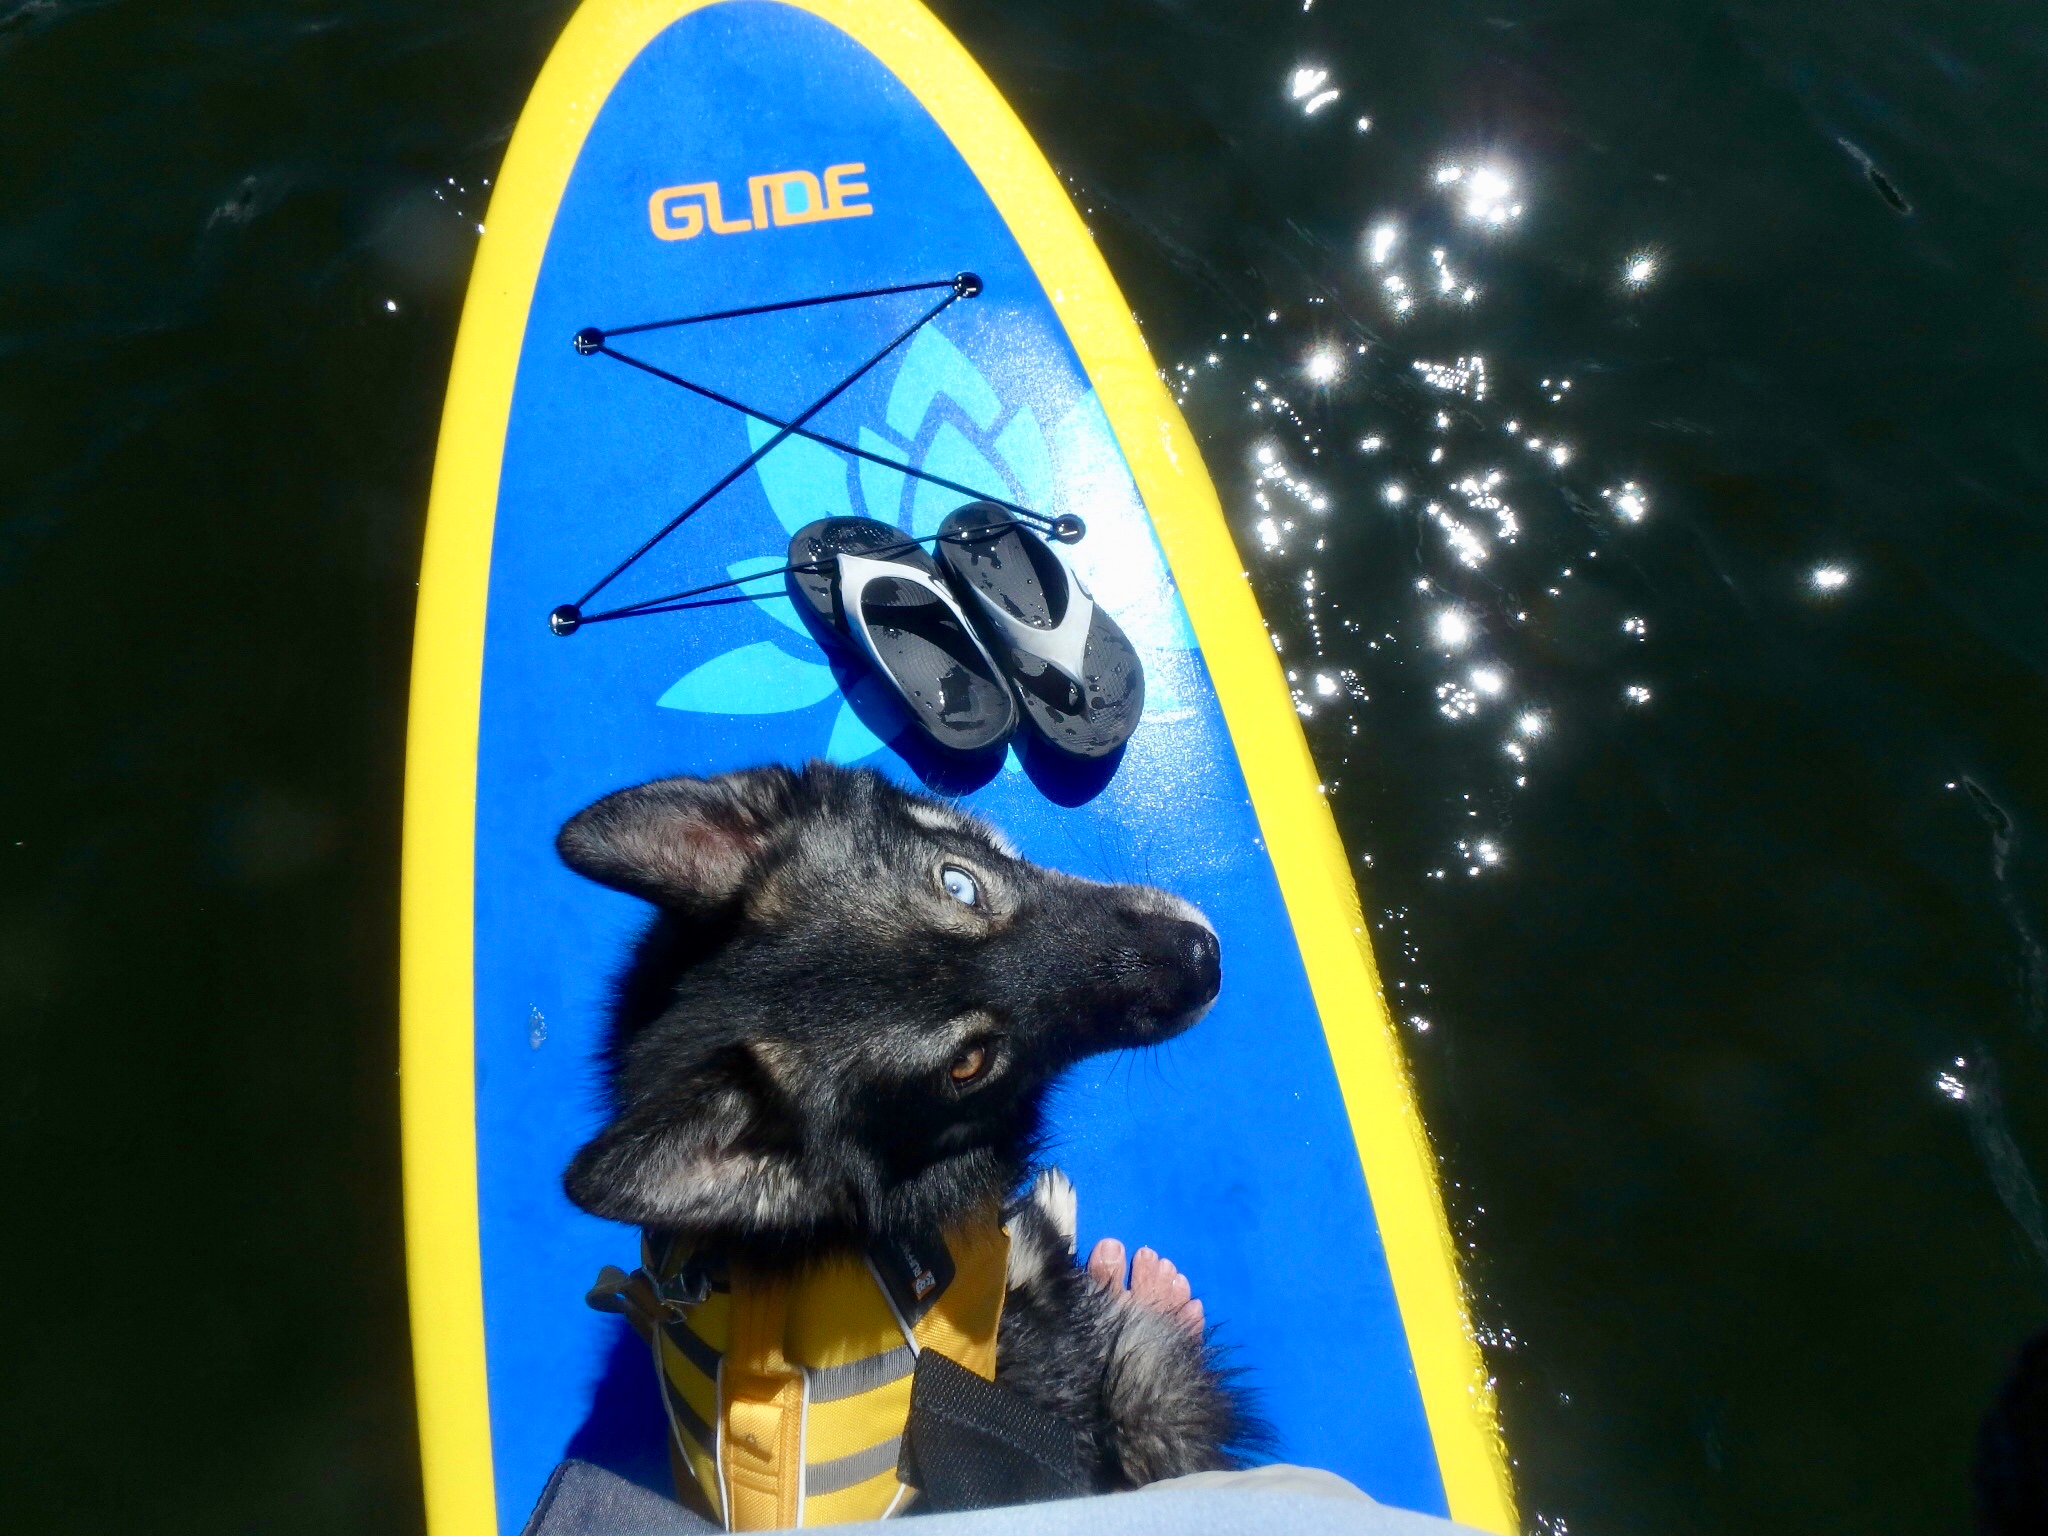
1154, 1282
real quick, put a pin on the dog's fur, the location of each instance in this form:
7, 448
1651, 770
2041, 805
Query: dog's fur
786, 1043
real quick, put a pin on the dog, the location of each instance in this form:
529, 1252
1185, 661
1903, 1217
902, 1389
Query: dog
841, 1029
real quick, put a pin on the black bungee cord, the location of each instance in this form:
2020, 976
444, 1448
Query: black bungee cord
594, 341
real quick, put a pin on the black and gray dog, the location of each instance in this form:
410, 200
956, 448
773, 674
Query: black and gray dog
842, 1028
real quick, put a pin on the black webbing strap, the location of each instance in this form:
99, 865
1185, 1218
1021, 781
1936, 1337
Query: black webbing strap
970, 1444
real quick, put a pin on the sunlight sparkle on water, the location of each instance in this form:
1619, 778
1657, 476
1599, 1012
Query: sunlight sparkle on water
1636, 693
1393, 493
1470, 549
1478, 856
1639, 269
1456, 703
1488, 192
1305, 86
1532, 724
1951, 1084
1465, 376
1325, 365
1453, 629
1490, 681
1828, 578
1629, 502
1380, 243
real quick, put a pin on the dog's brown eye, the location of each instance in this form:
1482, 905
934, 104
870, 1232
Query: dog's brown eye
969, 1064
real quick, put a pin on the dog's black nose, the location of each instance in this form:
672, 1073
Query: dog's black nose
1201, 957
1145, 966
1186, 969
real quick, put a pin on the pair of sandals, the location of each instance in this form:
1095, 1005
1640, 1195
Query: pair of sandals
996, 626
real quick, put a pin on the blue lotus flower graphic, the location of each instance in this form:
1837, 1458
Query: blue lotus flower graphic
1010, 454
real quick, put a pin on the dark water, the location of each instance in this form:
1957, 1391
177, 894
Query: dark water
1733, 1044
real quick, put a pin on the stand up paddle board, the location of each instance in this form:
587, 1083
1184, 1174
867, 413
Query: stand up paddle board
682, 159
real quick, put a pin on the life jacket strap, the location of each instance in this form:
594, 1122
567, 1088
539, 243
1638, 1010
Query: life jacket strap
970, 1444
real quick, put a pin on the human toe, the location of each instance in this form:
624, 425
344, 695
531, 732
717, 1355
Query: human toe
1106, 1264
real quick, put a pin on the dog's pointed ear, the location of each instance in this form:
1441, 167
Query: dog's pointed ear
716, 1156
683, 843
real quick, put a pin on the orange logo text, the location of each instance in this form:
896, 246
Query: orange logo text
776, 199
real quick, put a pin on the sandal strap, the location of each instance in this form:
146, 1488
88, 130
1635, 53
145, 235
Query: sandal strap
1064, 647
857, 573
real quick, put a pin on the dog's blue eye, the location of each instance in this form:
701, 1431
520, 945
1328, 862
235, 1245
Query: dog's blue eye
960, 885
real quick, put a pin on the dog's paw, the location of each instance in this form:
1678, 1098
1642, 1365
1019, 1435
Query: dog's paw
1053, 1193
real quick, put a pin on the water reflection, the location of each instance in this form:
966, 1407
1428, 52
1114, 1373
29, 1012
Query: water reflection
1453, 630
1466, 376
1484, 494
1628, 501
1323, 365
1307, 88
1471, 511
1485, 193
1828, 578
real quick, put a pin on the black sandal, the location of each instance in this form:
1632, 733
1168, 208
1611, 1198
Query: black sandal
877, 589
1080, 681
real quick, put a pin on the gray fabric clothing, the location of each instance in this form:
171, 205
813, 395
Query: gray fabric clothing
1280, 1477
583, 1500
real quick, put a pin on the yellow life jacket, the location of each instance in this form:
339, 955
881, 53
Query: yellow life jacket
787, 1396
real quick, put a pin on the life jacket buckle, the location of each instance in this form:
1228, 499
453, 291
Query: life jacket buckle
688, 1287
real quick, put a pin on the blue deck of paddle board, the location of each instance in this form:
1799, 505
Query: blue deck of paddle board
1228, 1150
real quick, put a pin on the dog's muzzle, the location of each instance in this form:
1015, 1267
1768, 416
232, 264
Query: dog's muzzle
1179, 971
